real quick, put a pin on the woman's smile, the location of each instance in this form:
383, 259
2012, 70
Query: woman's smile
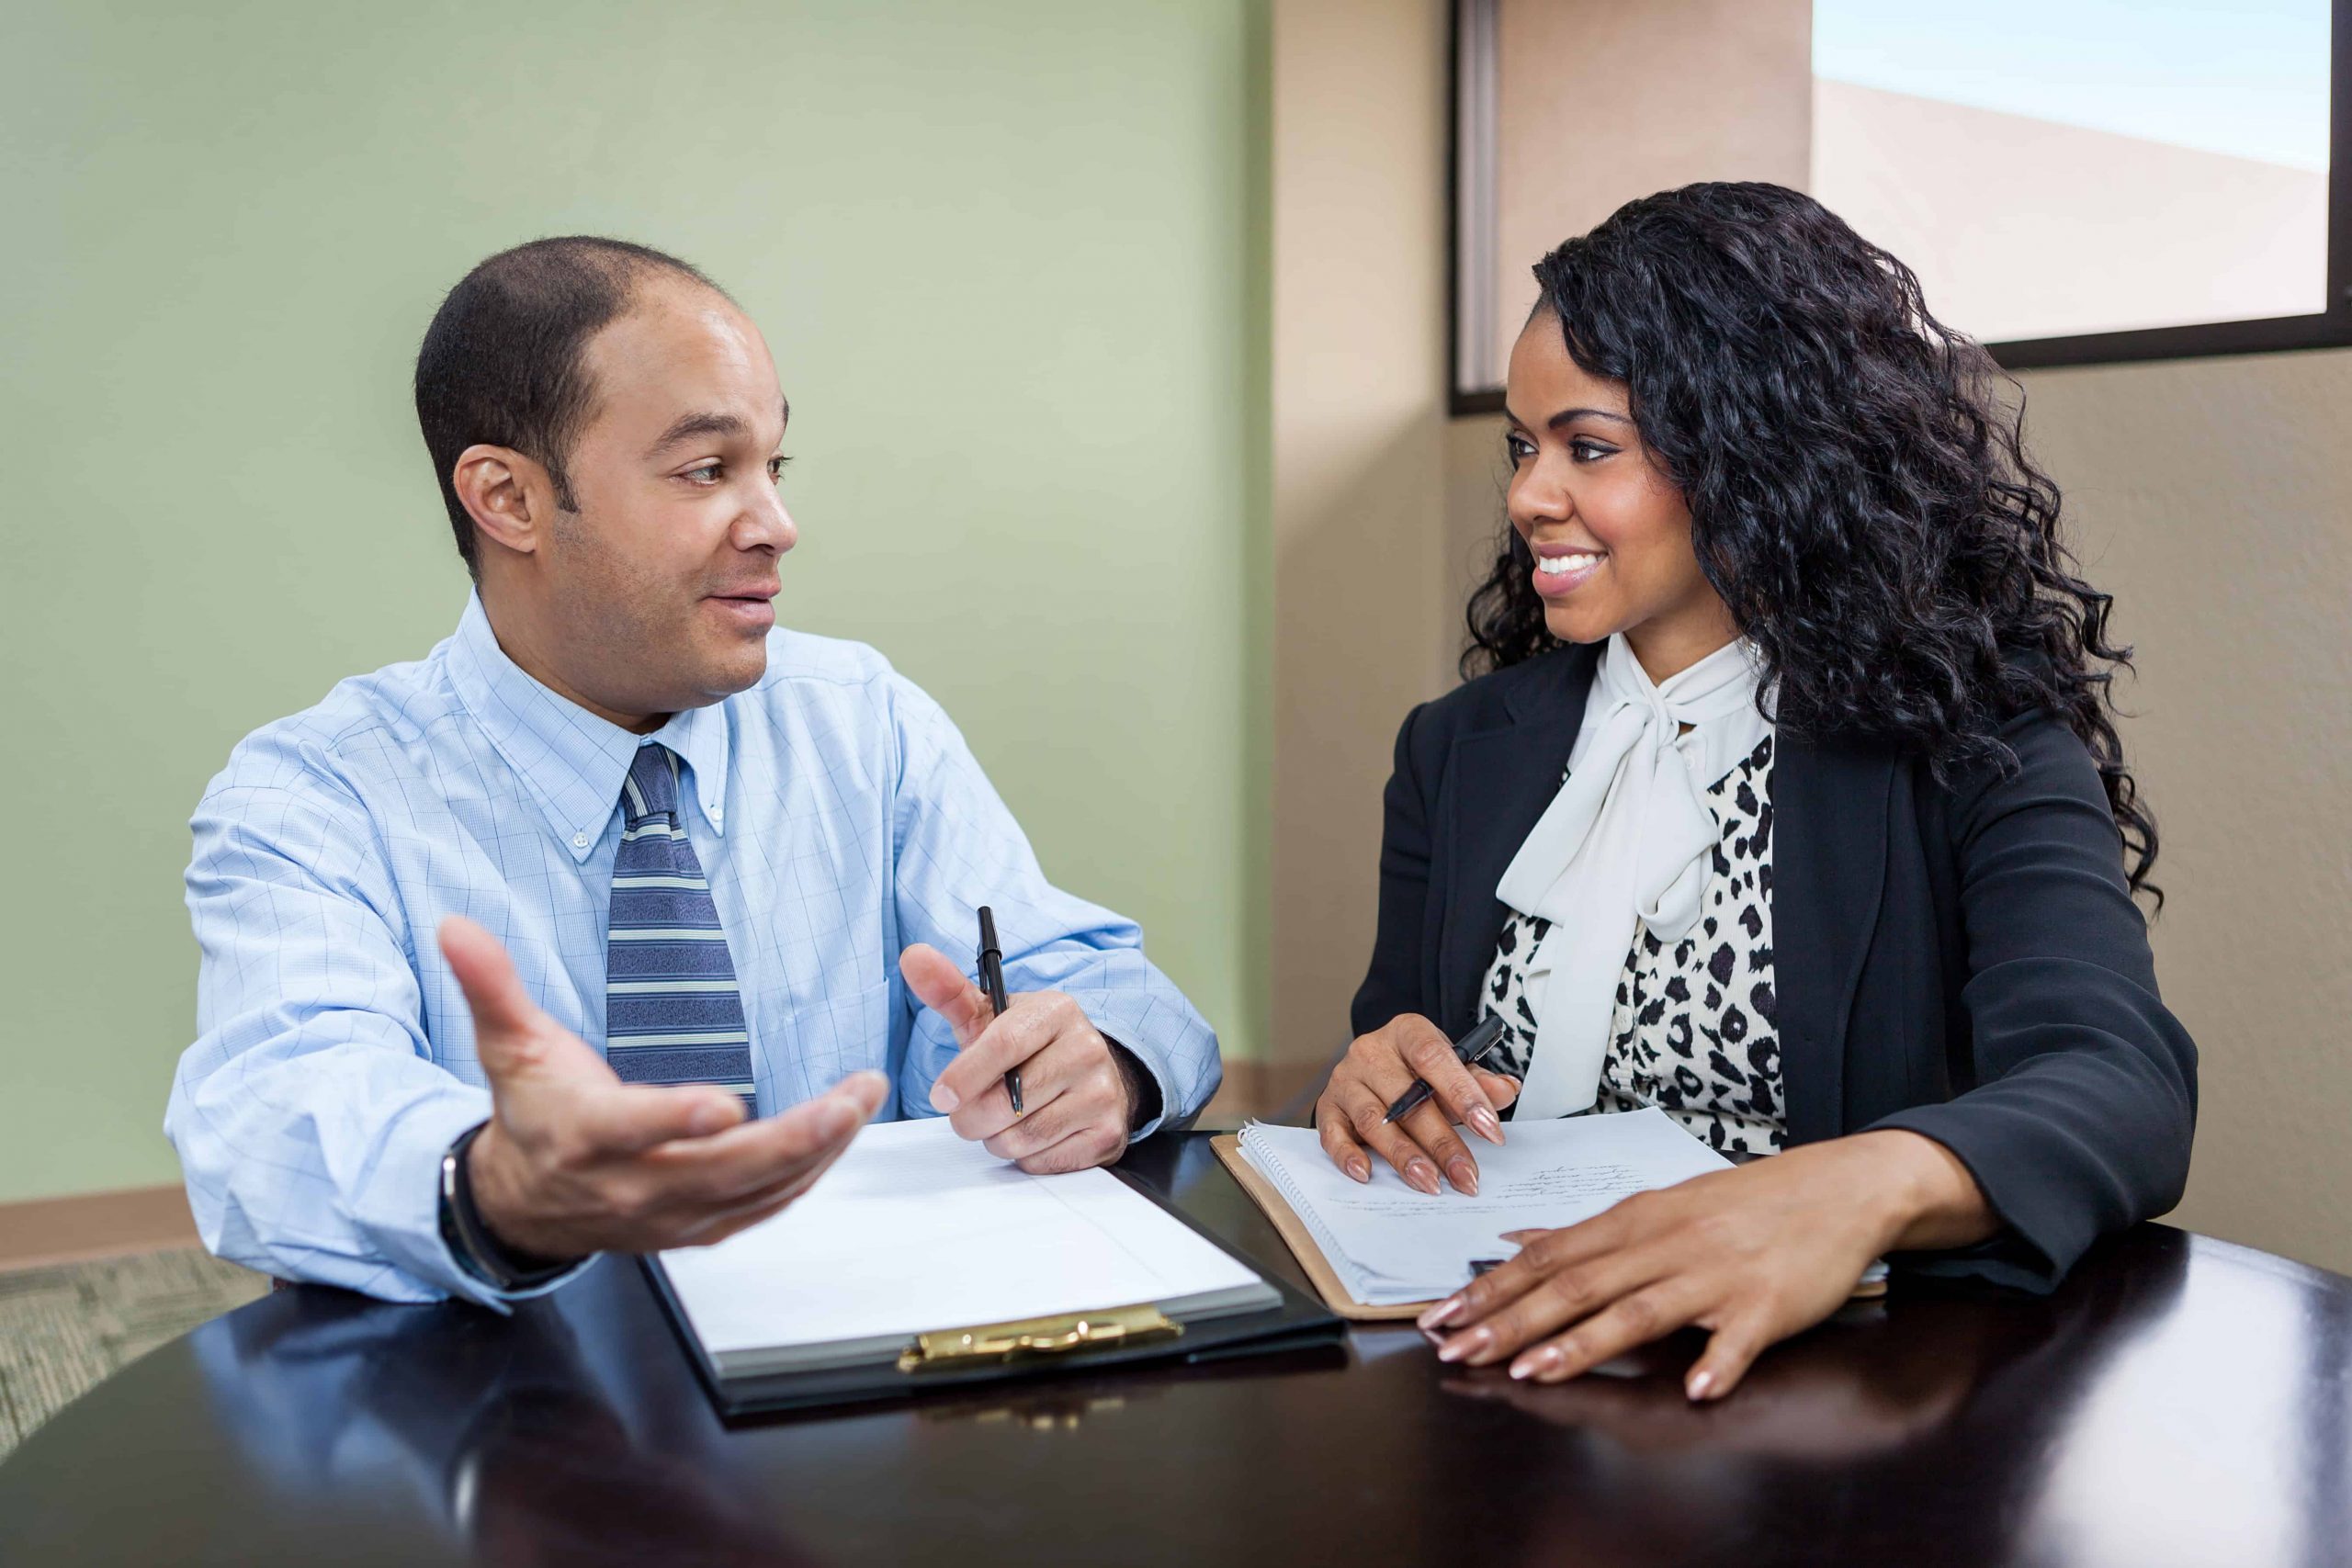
1561, 569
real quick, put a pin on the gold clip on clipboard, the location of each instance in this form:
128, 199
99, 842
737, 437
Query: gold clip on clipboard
1037, 1337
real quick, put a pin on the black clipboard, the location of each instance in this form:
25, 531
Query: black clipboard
1298, 1323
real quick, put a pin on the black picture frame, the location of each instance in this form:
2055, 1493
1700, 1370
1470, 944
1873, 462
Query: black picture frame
2331, 328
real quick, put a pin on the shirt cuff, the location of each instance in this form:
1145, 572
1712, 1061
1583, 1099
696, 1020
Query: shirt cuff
1150, 1097
401, 1203
1175, 1110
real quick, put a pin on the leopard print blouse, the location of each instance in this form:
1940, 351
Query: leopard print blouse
1693, 1031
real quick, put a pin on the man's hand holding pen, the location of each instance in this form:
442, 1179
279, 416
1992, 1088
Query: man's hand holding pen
1080, 1093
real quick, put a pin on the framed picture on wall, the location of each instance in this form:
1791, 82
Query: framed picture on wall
2075, 181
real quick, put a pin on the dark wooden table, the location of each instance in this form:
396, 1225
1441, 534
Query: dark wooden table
2181, 1401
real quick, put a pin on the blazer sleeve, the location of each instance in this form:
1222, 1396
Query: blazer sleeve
1393, 985
2083, 1095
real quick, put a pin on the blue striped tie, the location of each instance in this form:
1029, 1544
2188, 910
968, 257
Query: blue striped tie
672, 1011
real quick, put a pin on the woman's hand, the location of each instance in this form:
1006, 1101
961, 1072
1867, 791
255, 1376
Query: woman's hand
1752, 1254
1380, 1065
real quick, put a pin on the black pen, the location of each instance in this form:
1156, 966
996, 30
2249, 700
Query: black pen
992, 981
1470, 1050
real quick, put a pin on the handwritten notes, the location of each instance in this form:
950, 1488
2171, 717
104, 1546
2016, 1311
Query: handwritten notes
1391, 1244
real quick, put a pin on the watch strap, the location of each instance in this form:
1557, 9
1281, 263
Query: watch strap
478, 1251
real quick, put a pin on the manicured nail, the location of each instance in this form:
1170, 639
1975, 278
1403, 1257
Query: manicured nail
1462, 1346
1547, 1358
1421, 1176
1360, 1170
1484, 1123
1445, 1311
943, 1099
1698, 1384
1520, 1238
1465, 1177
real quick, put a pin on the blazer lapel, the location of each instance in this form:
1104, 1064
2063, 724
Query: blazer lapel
1502, 779
1829, 814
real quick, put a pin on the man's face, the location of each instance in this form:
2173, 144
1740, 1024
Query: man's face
659, 586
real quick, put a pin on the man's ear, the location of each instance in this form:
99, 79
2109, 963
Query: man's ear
510, 496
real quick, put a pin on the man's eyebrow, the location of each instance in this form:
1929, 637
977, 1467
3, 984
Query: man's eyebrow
685, 427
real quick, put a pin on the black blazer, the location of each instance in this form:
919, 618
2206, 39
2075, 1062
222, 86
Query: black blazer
1964, 961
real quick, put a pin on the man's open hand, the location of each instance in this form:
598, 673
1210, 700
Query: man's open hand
573, 1161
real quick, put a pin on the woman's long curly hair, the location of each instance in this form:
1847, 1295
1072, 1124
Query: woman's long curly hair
1859, 494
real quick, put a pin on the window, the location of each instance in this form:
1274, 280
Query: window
2075, 181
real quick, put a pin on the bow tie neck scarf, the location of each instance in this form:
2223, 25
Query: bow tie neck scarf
1625, 843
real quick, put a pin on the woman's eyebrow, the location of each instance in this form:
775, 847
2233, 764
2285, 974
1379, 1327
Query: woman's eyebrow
1570, 416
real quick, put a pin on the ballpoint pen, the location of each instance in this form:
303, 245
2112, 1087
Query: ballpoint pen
1470, 1050
992, 981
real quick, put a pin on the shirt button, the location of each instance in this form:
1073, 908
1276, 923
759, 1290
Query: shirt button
579, 841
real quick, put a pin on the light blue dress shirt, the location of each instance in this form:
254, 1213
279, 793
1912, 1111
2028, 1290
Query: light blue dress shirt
838, 815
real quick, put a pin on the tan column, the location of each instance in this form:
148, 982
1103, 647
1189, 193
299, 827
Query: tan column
1362, 629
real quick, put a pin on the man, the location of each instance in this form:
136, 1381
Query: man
618, 805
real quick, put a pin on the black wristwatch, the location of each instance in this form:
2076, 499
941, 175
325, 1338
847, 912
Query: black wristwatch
479, 1252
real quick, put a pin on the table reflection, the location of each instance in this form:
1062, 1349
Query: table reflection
510, 1433
1938, 1391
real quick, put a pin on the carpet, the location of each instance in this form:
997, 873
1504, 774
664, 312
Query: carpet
65, 1327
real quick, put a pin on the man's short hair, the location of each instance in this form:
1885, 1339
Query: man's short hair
502, 363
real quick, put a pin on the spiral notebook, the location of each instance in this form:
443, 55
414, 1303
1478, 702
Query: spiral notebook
1380, 1250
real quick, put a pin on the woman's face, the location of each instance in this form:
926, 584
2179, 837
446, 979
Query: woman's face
1609, 533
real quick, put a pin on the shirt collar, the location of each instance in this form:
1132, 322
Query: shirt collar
571, 761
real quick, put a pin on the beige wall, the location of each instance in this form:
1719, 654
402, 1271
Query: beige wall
1358, 424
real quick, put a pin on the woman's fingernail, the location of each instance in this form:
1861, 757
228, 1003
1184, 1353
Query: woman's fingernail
1445, 1311
1484, 1122
1455, 1349
1360, 1169
1543, 1359
1698, 1384
1421, 1176
1465, 1177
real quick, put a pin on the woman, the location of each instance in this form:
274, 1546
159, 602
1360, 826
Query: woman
1787, 797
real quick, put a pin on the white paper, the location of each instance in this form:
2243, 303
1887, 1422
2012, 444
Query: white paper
914, 1229
1390, 1244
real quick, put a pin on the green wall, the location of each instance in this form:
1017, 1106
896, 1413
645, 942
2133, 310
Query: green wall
1010, 256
